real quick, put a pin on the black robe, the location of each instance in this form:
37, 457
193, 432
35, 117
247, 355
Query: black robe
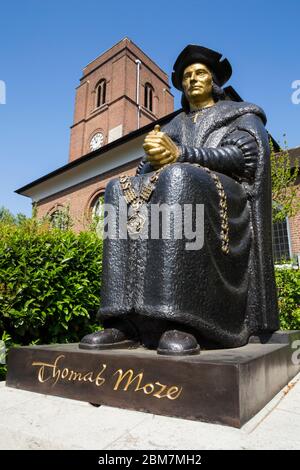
224, 297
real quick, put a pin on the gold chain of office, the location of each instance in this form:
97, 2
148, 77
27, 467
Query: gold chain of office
224, 235
136, 220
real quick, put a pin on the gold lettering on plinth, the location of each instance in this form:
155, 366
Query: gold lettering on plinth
126, 380
161, 391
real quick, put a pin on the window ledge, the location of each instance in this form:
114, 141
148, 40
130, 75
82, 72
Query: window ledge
100, 109
148, 112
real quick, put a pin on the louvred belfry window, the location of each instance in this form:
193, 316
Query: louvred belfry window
101, 93
148, 98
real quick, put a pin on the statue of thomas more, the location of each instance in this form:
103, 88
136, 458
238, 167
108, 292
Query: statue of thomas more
215, 152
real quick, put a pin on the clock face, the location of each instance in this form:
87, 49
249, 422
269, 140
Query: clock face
96, 141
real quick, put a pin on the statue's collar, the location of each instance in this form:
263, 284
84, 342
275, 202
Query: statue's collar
230, 110
221, 114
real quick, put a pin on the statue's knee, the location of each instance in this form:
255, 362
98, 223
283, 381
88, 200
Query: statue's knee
174, 172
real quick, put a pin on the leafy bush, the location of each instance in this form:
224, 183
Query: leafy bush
49, 283
288, 286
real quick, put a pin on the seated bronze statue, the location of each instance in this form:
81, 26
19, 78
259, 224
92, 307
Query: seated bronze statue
157, 293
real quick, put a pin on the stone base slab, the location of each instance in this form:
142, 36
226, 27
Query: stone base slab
226, 386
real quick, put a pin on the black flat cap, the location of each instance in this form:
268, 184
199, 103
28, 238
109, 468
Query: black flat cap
193, 54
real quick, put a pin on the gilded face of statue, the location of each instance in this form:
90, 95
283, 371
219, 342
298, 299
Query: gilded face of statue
197, 82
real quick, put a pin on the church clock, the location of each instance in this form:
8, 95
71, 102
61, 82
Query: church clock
96, 141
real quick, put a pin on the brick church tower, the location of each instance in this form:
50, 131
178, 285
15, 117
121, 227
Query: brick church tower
119, 92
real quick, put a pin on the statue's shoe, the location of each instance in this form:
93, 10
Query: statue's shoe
178, 343
110, 338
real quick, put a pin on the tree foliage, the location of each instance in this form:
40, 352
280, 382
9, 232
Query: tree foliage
286, 201
7, 217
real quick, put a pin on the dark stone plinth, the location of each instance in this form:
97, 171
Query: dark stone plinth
226, 386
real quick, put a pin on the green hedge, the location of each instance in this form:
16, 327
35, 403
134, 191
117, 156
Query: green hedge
288, 286
49, 284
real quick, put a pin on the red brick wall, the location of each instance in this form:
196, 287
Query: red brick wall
79, 198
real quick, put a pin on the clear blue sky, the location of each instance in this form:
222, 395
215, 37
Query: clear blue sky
45, 44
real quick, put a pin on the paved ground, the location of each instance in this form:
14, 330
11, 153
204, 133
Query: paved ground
32, 421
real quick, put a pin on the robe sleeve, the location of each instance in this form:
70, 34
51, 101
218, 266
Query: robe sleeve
236, 156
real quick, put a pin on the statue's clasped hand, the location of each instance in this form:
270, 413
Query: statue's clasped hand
160, 148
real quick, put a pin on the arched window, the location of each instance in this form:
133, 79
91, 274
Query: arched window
149, 97
97, 207
101, 93
60, 218
97, 214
